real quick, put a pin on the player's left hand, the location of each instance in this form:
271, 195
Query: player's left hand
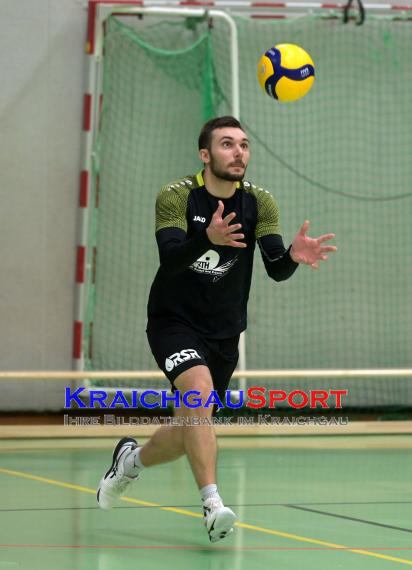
310, 250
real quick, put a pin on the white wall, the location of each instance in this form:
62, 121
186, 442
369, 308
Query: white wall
42, 83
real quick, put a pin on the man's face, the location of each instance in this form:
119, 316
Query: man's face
228, 155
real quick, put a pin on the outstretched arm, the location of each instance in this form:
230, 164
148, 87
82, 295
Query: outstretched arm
310, 250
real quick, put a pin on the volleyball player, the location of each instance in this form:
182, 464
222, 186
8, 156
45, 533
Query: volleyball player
207, 226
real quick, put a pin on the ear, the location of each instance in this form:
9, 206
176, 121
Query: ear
204, 155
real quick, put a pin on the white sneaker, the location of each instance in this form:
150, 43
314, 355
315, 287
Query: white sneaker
219, 520
114, 484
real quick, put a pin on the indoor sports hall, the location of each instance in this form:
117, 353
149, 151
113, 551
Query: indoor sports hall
102, 104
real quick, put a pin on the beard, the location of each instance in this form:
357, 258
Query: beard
225, 174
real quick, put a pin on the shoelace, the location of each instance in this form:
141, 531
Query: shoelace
213, 505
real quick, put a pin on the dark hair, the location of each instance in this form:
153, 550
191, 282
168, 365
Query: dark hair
205, 136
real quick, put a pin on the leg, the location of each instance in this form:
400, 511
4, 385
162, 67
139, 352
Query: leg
199, 442
171, 442
200, 445
164, 446
187, 369
166, 343
215, 359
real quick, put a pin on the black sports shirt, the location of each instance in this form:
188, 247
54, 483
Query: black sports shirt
203, 285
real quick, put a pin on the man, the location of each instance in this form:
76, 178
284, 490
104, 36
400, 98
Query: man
206, 229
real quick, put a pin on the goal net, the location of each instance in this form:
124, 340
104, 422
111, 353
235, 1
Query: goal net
340, 157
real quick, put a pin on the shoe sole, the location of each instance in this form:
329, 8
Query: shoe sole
120, 444
222, 525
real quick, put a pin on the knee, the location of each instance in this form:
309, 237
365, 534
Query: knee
204, 386
196, 380
203, 389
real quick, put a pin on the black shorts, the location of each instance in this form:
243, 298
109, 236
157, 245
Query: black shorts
177, 348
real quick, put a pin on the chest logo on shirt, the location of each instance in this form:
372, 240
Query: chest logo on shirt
199, 219
208, 264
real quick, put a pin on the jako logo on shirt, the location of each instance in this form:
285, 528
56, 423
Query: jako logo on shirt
180, 357
199, 219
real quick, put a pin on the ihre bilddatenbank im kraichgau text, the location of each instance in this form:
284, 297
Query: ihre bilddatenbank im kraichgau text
253, 398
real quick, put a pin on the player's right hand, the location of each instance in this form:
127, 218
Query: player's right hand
220, 232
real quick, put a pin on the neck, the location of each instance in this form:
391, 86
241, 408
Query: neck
217, 186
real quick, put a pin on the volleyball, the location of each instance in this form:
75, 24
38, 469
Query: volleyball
286, 72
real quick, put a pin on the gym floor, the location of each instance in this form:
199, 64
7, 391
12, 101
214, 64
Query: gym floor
303, 502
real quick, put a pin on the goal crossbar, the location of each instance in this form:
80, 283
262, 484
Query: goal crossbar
156, 375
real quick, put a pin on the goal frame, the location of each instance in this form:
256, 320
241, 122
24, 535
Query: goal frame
98, 13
